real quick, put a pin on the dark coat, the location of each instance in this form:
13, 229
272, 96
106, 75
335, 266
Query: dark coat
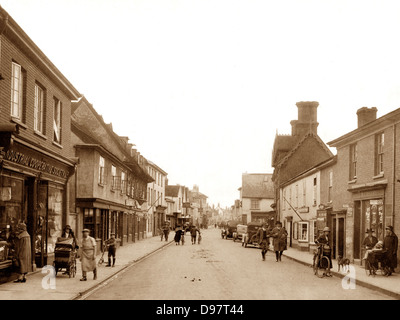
370, 242
262, 235
390, 244
178, 235
23, 252
280, 239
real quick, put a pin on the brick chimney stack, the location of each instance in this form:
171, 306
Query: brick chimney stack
307, 118
366, 115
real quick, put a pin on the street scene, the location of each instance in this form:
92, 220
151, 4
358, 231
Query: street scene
199, 150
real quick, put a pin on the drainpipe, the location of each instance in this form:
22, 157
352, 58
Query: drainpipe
394, 175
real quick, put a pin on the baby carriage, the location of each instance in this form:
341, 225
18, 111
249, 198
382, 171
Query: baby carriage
65, 256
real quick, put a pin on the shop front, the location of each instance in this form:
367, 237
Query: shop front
33, 186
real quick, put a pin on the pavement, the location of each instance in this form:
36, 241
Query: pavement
386, 285
41, 285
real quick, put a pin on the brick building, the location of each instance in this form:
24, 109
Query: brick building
366, 178
36, 152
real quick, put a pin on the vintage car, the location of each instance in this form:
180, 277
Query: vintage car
250, 238
230, 228
241, 230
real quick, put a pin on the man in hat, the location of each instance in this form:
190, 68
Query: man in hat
88, 255
390, 244
280, 240
112, 249
262, 235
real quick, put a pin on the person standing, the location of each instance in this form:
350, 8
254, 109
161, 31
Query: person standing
112, 249
178, 235
193, 232
262, 235
22, 252
165, 231
324, 242
390, 244
280, 239
88, 255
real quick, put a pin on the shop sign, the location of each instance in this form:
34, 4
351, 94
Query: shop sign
303, 210
376, 202
33, 163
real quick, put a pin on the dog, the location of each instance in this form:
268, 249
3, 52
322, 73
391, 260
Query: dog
344, 263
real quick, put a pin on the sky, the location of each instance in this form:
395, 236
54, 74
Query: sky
201, 87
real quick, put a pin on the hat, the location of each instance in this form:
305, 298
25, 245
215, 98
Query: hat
21, 226
68, 227
369, 230
86, 230
389, 228
327, 229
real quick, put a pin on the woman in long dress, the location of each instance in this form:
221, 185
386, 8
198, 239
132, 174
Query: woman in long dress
23, 252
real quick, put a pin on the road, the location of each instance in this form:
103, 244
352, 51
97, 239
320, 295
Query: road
220, 269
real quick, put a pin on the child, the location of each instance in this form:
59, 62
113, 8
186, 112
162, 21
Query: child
378, 247
112, 249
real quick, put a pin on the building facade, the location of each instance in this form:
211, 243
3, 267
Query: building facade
36, 152
156, 204
366, 180
110, 183
256, 198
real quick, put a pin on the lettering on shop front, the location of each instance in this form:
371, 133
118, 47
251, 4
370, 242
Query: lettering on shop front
28, 161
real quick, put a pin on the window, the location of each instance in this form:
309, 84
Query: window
330, 186
313, 231
295, 230
297, 195
303, 231
17, 87
290, 197
149, 196
39, 109
379, 144
353, 161
123, 182
116, 181
101, 170
255, 204
88, 220
57, 120
315, 192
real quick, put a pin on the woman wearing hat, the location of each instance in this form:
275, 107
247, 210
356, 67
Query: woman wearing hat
279, 235
370, 241
69, 234
324, 241
23, 252
88, 255
390, 244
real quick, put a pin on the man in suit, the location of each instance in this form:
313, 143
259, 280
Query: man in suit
390, 244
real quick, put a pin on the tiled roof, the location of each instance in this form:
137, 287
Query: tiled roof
257, 186
172, 191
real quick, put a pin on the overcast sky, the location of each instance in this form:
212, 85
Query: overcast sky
202, 86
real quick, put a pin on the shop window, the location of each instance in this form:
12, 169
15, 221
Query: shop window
373, 217
295, 230
54, 220
89, 220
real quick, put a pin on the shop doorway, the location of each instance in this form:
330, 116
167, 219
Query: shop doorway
338, 234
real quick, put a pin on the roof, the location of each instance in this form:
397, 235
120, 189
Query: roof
172, 191
282, 144
257, 185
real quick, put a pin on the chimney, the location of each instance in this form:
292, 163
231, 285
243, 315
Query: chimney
307, 118
366, 115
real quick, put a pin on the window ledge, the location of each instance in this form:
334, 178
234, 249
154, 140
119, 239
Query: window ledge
19, 122
352, 181
40, 134
58, 145
378, 176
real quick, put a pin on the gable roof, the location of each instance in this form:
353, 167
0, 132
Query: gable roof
298, 145
257, 185
172, 191
282, 145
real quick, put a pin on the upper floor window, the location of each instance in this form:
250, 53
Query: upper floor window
255, 204
353, 161
17, 88
101, 170
315, 192
123, 182
116, 181
39, 109
330, 186
57, 120
379, 149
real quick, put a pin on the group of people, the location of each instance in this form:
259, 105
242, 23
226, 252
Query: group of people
279, 236
181, 231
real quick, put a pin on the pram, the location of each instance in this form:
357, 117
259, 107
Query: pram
377, 260
65, 256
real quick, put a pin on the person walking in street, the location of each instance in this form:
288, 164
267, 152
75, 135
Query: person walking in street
165, 231
324, 242
88, 255
280, 240
262, 235
193, 232
390, 244
22, 252
112, 250
178, 235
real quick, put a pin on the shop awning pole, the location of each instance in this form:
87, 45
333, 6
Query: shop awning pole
293, 209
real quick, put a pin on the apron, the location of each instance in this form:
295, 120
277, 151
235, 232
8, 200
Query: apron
87, 261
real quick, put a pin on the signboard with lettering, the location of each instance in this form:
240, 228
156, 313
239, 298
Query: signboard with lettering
36, 161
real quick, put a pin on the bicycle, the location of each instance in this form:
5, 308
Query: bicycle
321, 263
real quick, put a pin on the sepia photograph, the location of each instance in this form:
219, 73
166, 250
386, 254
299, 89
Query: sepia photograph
199, 154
